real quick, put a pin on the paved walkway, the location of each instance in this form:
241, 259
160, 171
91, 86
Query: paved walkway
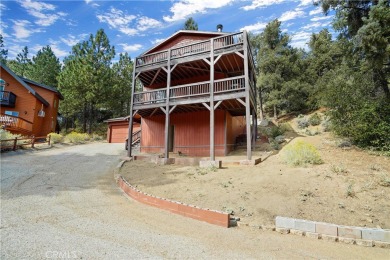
64, 203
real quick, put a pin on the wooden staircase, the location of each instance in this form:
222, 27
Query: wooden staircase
15, 124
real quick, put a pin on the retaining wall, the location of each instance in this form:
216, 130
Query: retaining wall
210, 216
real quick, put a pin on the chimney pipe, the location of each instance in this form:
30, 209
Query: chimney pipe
219, 27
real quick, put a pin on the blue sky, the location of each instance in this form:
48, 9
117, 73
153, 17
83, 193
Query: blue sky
135, 26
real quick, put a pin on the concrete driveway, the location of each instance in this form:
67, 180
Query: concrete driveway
64, 203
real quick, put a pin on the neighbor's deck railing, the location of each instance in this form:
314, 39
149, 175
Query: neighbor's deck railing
15, 122
191, 49
222, 86
16, 143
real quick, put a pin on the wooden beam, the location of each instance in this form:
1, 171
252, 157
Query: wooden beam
216, 60
163, 109
240, 100
164, 69
216, 105
207, 61
136, 76
207, 106
155, 76
212, 120
247, 100
135, 112
174, 66
173, 108
154, 111
239, 54
130, 127
166, 132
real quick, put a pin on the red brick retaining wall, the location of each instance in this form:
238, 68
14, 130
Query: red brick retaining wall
210, 216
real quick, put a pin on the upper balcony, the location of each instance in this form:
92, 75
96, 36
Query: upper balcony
196, 50
7, 99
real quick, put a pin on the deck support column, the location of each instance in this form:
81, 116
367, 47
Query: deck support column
212, 121
130, 131
166, 132
247, 100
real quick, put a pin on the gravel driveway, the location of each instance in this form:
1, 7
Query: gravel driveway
63, 203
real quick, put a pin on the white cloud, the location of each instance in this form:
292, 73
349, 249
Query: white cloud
299, 36
130, 47
127, 24
311, 26
306, 2
300, 44
290, 15
145, 23
14, 50
261, 3
319, 18
22, 29
318, 10
254, 28
156, 41
92, 3
184, 8
42, 11
2, 6
72, 40
117, 19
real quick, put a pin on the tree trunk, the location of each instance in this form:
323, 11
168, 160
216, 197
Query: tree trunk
275, 113
85, 110
91, 118
381, 81
261, 105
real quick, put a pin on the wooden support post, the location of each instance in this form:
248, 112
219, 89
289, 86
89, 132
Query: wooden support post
247, 100
166, 131
212, 121
15, 141
48, 142
130, 131
32, 141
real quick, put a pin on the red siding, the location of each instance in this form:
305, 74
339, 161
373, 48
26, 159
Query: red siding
28, 106
191, 134
117, 132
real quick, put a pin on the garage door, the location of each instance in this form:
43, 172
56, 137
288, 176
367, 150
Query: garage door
119, 133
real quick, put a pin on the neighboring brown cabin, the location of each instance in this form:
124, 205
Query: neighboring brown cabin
27, 107
180, 111
118, 128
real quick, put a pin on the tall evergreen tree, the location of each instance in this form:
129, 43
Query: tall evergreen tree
45, 67
3, 52
22, 64
190, 24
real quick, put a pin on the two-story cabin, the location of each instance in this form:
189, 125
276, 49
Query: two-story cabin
27, 107
198, 94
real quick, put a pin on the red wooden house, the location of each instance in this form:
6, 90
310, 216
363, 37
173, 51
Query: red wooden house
27, 107
198, 96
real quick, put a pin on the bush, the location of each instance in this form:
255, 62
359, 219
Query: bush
5, 135
96, 137
301, 153
76, 138
56, 138
303, 122
286, 127
314, 119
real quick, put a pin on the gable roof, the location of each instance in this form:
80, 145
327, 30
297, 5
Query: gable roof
26, 86
183, 32
24, 81
43, 86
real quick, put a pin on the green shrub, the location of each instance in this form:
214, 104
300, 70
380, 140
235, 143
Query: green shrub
56, 138
76, 138
301, 153
314, 119
303, 122
285, 127
96, 137
5, 135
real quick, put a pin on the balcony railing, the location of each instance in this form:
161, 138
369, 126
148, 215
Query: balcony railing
7, 99
15, 123
191, 49
222, 86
